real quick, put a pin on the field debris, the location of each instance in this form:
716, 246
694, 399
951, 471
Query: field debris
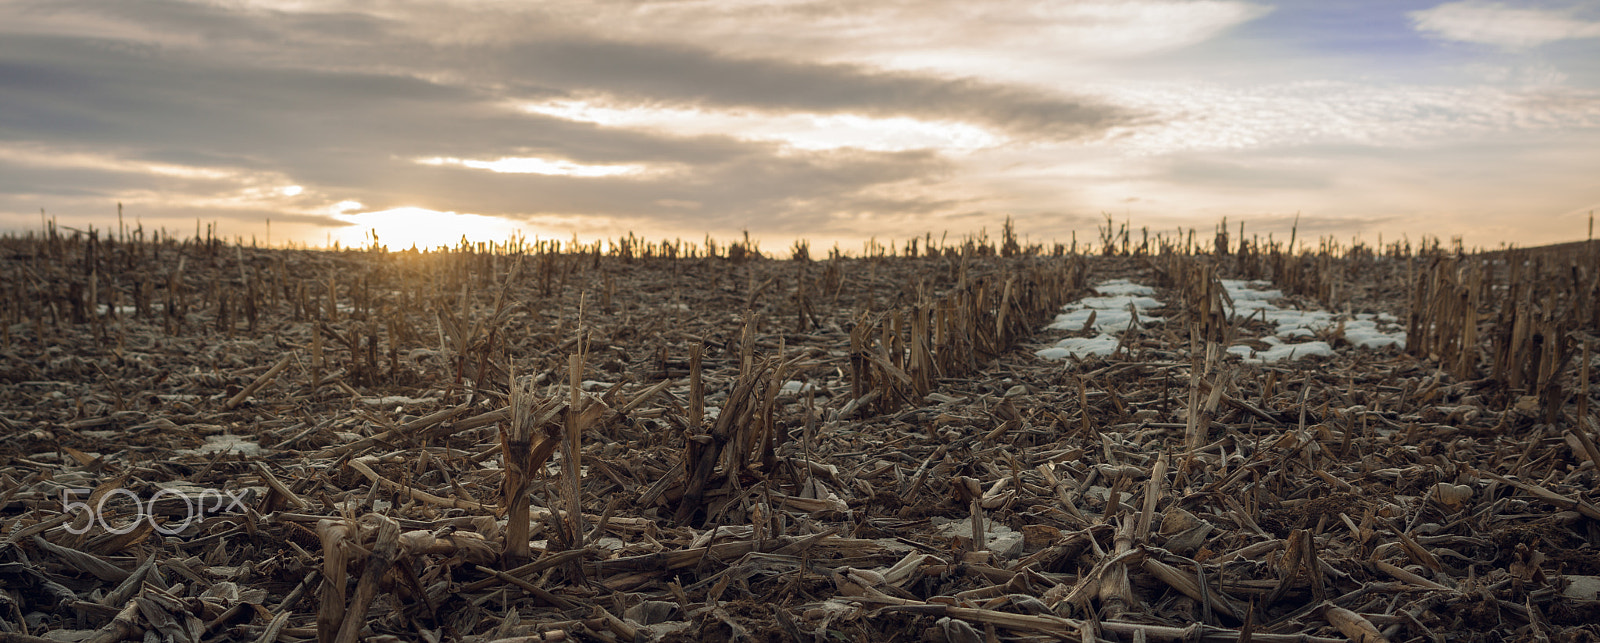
639, 441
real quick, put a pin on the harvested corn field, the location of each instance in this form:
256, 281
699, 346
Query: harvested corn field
978, 441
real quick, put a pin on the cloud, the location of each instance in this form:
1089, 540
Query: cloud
344, 103
1030, 41
684, 77
536, 165
340, 134
800, 130
1513, 186
793, 192
1221, 172
1203, 116
1492, 23
543, 52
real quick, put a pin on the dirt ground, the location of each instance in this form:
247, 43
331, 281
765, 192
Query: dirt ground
294, 445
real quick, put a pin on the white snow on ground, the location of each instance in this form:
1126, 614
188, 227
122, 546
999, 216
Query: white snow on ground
1122, 287
1253, 298
396, 400
1280, 350
225, 442
1110, 309
1080, 346
1113, 310
796, 387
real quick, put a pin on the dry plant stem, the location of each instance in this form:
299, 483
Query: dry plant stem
516, 450
572, 448
126, 590
1152, 496
13, 637
1581, 506
259, 382
539, 592
279, 488
1587, 443
626, 631
469, 546
378, 563
420, 424
294, 595
336, 538
1194, 438
1066, 627
45, 525
1583, 390
318, 361
547, 562
1360, 630
94, 565
697, 390
125, 625
363, 466
1116, 593
1579, 428
1401, 574
270, 634
1189, 586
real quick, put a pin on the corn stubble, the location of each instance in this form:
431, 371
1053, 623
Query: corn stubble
638, 440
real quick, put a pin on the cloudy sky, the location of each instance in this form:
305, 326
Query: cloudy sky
830, 120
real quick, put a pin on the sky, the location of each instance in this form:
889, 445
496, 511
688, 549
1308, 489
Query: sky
833, 121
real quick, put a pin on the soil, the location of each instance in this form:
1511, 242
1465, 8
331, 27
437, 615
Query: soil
360, 404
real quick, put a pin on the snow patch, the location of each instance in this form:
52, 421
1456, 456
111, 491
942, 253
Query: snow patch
1281, 351
1080, 347
1119, 302
1114, 309
223, 443
796, 387
1364, 330
395, 400
1123, 287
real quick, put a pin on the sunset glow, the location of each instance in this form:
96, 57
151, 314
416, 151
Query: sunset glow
527, 165
802, 131
423, 229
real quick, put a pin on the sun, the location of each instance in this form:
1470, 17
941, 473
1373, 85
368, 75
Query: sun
424, 229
